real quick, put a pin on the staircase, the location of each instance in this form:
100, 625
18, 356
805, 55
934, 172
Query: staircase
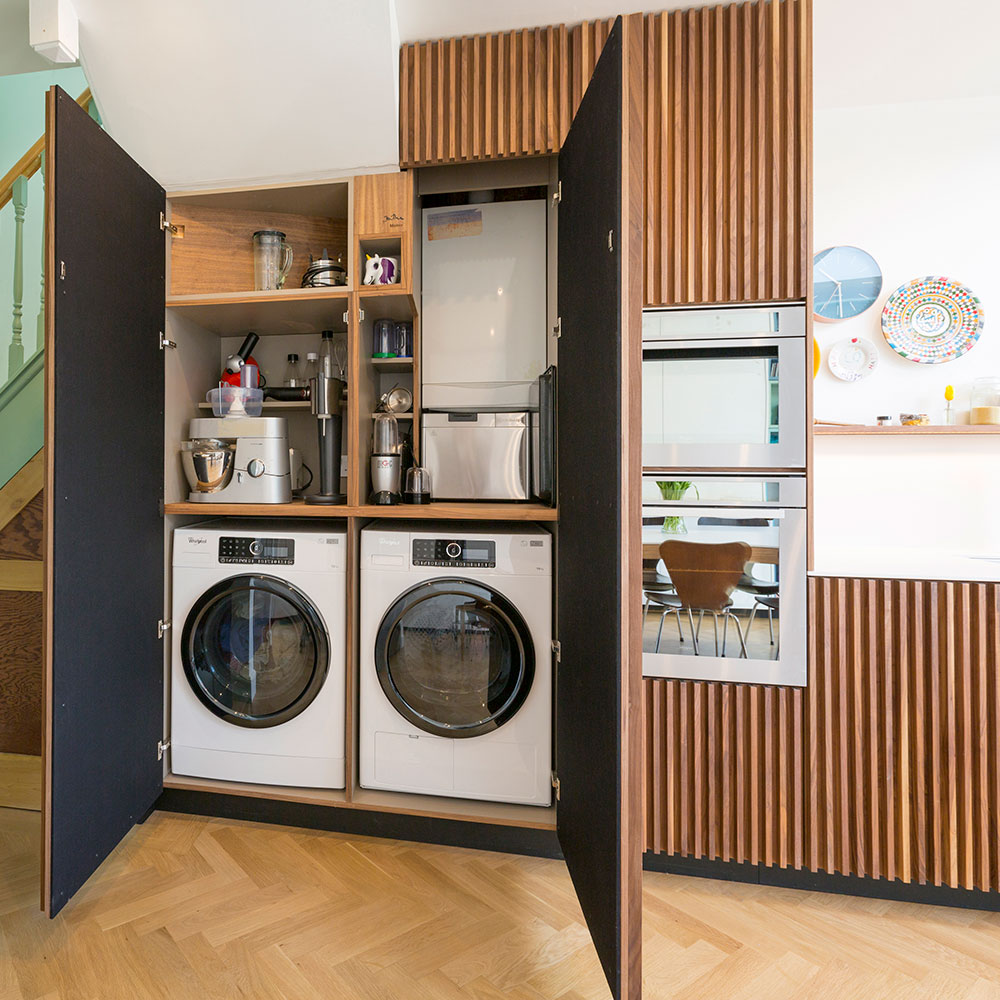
22, 469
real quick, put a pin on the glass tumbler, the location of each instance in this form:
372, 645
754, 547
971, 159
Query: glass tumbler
272, 260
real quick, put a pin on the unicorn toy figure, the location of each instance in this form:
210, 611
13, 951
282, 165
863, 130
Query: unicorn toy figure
381, 270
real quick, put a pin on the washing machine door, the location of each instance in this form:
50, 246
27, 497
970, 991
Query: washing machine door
255, 650
454, 657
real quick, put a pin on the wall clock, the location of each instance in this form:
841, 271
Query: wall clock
846, 281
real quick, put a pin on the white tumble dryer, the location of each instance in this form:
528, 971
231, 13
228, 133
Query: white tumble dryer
258, 665
456, 671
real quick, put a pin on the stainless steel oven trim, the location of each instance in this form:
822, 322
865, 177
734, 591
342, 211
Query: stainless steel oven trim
791, 667
791, 489
785, 320
788, 453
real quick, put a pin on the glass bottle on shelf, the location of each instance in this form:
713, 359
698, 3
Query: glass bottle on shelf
293, 371
327, 363
312, 365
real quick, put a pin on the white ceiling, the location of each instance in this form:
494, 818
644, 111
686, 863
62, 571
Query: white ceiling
243, 91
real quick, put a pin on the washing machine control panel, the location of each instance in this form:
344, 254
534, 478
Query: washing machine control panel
473, 553
262, 551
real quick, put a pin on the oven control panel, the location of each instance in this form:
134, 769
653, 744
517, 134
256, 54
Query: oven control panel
474, 553
258, 551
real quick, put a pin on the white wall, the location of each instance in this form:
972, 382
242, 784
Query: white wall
915, 184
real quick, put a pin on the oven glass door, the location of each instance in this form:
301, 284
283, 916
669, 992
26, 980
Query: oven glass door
724, 589
724, 403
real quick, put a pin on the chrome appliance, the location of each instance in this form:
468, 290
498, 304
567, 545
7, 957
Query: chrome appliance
726, 599
724, 387
237, 460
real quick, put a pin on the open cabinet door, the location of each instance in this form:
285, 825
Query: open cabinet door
103, 697
599, 678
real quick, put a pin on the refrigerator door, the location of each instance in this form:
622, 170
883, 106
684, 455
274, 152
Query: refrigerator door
477, 456
483, 306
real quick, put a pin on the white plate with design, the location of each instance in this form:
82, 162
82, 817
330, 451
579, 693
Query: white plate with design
853, 359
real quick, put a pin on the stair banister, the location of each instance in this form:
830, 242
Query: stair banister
15, 351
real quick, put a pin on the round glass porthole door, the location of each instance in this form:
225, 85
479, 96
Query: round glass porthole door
255, 650
454, 658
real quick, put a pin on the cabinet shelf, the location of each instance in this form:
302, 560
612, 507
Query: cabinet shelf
392, 364
467, 810
415, 512
875, 430
288, 311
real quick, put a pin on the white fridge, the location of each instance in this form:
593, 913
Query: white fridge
483, 307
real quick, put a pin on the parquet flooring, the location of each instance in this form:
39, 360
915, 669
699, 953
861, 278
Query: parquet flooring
218, 910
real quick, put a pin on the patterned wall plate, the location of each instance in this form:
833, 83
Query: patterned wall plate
932, 320
853, 359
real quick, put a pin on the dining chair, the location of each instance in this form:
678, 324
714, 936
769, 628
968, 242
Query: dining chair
704, 575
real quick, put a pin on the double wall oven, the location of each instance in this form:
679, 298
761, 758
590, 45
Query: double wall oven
724, 493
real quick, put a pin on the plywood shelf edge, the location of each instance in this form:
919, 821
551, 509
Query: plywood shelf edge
874, 430
416, 512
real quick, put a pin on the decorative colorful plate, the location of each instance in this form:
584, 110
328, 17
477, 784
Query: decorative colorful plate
932, 320
853, 359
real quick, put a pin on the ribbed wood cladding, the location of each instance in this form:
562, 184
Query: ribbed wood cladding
512, 93
728, 109
728, 138
886, 766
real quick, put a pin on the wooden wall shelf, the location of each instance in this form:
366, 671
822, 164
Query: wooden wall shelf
409, 512
288, 311
868, 429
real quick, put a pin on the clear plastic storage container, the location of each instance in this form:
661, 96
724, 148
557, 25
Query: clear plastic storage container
235, 401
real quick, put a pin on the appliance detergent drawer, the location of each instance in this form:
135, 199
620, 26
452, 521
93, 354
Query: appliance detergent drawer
478, 460
509, 770
414, 762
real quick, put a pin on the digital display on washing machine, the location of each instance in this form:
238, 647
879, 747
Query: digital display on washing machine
261, 551
476, 553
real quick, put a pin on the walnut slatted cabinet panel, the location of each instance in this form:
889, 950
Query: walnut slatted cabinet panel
886, 766
728, 123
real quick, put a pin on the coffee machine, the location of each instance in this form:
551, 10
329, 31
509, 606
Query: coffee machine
237, 460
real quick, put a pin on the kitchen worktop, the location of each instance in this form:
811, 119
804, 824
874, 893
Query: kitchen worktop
900, 563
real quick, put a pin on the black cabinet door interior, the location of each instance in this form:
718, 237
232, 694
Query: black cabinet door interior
104, 482
598, 742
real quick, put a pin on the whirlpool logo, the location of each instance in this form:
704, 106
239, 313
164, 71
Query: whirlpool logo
197, 540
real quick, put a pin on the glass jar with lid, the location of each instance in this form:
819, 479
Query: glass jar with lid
984, 406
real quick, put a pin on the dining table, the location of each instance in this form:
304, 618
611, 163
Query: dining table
762, 539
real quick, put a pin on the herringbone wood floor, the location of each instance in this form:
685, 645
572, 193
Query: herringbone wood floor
206, 909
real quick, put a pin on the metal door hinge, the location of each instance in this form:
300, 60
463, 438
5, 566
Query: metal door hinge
162, 746
557, 329
361, 315
557, 649
62, 270
162, 628
611, 241
169, 227
555, 784
557, 194
166, 342
346, 315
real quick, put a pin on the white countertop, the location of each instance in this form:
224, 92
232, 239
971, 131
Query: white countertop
898, 563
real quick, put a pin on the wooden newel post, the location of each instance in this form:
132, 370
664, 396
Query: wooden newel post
40, 325
15, 353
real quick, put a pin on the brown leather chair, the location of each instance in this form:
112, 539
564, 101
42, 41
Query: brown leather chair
704, 576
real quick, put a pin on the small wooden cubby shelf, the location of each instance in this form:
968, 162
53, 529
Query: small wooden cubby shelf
876, 431
410, 512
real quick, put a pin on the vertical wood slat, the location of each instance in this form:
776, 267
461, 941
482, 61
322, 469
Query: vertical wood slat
886, 766
728, 126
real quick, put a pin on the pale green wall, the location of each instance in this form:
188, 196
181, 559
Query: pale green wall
22, 121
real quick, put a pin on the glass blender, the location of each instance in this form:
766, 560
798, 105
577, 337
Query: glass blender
386, 460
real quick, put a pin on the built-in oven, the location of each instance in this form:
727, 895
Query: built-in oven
724, 387
724, 577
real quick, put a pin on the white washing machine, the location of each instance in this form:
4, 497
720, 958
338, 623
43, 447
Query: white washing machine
258, 666
456, 669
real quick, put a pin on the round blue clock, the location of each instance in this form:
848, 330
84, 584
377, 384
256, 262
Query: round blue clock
846, 281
